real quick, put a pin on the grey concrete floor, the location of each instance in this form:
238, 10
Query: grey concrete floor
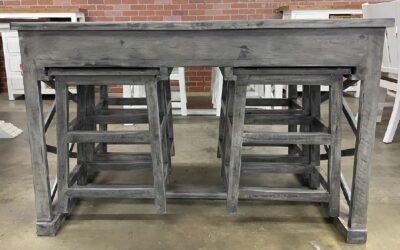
131, 224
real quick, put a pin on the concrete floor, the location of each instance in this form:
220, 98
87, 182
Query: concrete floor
131, 224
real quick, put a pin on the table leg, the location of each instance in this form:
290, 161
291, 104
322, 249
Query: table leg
355, 231
62, 145
156, 145
334, 160
37, 141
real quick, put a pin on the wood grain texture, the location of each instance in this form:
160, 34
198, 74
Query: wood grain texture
306, 138
62, 145
109, 191
284, 194
156, 146
238, 114
315, 112
334, 155
229, 48
365, 137
235, 25
104, 102
37, 142
111, 137
346, 44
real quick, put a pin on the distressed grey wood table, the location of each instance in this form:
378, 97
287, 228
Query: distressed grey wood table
353, 44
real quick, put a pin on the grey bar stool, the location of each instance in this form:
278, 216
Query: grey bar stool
306, 132
92, 152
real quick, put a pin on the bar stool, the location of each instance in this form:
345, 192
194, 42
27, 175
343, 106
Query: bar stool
303, 143
83, 131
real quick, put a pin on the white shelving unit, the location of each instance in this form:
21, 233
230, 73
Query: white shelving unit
309, 12
12, 55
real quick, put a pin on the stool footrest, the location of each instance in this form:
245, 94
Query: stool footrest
127, 101
274, 158
120, 116
264, 144
275, 167
253, 111
121, 157
120, 162
111, 191
195, 192
119, 166
267, 102
284, 194
278, 119
307, 138
111, 137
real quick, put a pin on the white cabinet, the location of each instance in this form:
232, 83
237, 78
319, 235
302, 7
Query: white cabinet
11, 50
320, 14
323, 12
13, 66
12, 61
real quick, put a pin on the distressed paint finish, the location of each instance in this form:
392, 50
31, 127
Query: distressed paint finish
280, 43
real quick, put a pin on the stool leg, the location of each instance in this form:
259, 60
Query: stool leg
62, 145
162, 102
292, 128
226, 138
85, 107
315, 111
170, 117
334, 161
239, 106
306, 128
156, 145
81, 93
104, 105
222, 119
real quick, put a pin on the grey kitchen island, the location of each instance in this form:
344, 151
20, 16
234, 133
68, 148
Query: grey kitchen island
355, 45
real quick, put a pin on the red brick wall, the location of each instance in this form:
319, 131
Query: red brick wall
198, 79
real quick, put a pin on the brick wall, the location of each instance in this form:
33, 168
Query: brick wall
198, 79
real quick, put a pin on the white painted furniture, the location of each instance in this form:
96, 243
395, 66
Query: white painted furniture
8, 130
323, 11
253, 91
12, 55
216, 86
178, 74
390, 63
178, 98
